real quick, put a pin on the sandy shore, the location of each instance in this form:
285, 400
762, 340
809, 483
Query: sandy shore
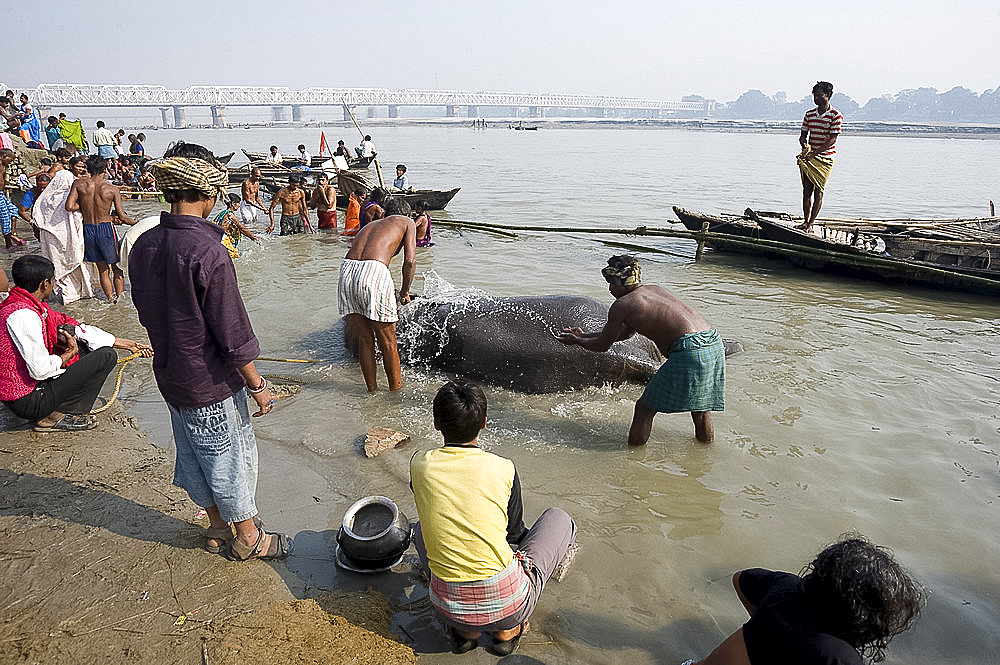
101, 560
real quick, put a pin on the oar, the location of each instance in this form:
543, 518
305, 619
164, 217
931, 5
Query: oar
378, 169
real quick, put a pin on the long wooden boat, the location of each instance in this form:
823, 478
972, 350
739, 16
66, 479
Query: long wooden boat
434, 199
973, 257
224, 159
736, 225
316, 162
842, 258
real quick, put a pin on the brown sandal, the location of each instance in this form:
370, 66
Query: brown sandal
241, 552
223, 533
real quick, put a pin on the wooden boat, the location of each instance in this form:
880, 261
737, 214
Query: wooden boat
976, 256
316, 162
843, 258
224, 159
139, 194
737, 225
434, 199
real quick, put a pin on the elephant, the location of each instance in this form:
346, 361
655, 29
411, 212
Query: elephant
510, 342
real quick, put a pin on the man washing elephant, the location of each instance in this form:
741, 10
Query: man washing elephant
365, 290
693, 377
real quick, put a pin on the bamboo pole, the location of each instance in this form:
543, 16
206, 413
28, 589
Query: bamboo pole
378, 169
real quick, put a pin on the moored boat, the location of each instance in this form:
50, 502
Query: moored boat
316, 161
850, 255
434, 199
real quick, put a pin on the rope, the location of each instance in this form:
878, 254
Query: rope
118, 382
125, 361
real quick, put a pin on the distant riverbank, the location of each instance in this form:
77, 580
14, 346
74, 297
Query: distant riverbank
897, 128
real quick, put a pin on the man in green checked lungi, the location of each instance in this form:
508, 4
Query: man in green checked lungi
694, 376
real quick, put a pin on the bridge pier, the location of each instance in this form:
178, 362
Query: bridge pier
165, 116
219, 116
179, 120
347, 115
371, 112
296, 113
393, 111
279, 114
536, 112
473, 111
451, 111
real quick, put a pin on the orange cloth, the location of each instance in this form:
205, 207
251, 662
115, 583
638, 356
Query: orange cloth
352, 221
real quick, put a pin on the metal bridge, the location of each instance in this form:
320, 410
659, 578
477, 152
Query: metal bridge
280, 100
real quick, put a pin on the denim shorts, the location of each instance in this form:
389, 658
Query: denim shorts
217, 456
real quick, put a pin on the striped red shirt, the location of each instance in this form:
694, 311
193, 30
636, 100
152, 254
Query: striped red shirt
820, 127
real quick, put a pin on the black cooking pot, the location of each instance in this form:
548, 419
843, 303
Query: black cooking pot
374, 534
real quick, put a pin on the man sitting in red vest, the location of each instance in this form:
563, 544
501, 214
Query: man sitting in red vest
44, 374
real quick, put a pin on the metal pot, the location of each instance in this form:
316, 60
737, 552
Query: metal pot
374, 534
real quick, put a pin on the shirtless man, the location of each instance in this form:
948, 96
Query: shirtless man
250, 191
324, 199
293, 208
693, 377
365, 291
372, 208
95, 198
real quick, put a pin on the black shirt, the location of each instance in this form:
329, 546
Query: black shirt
788, 627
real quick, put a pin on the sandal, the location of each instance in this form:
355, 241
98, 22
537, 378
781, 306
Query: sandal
506, 647
223, 533
69, 423
461, 644
241, 552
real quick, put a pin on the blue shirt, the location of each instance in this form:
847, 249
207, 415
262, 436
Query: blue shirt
400, 182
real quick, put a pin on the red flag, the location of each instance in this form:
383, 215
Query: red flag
322, 143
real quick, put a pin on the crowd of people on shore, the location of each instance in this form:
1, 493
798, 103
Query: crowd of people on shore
486, 568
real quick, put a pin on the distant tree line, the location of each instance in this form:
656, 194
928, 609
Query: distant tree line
920, 105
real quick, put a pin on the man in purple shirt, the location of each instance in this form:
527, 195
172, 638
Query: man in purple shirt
184, 288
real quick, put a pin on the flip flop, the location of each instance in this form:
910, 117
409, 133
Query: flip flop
506, 647
69, 423
241, 552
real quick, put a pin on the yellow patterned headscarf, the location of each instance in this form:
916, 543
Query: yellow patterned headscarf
187, 173
622, 270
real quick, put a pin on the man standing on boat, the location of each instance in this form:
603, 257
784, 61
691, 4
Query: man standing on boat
694, 376
365, 292
820, 129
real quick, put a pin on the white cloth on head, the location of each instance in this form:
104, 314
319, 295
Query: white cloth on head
61, 237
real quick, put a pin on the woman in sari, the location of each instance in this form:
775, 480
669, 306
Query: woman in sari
61, 237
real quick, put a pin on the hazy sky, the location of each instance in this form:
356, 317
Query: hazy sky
656, 48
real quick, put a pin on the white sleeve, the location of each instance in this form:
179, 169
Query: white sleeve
25, 328
94, 336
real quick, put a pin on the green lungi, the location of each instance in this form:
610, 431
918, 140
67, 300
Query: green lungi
692, 379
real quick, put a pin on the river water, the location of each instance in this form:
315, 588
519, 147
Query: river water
856, 406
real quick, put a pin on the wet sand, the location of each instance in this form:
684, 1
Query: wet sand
101, 560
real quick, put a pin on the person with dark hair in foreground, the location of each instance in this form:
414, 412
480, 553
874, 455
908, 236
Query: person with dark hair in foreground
185, 291
486, 569
51, 366
853, 599
693, 377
